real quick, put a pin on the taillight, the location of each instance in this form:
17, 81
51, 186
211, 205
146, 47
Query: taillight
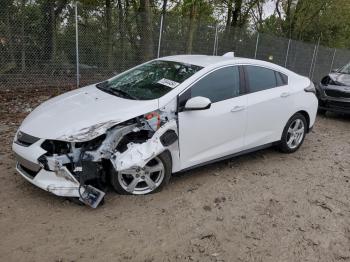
311, 88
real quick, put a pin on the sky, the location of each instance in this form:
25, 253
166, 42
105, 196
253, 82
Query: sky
269, 8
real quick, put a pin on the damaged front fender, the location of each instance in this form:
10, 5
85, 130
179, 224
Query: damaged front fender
88, 133
137, 155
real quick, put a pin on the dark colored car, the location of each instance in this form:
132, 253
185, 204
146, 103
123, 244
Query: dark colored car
333, 92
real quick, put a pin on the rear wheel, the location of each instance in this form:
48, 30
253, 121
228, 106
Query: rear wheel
293, 134
140, 181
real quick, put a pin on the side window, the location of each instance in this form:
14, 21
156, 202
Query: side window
260, 78
219, 85
281, 79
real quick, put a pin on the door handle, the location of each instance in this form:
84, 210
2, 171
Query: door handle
237, 108
285, 94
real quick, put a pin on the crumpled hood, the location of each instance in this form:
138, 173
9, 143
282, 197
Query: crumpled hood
82, 114
341, 78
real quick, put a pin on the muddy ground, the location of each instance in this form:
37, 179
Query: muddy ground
264, 206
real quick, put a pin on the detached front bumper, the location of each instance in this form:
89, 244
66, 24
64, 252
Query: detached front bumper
50, 181
60, 183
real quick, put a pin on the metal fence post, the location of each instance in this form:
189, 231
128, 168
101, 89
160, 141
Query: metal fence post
256, 45
312, 61
287, 54
314, 65
335, 51
160, 34
215, 40
77, 41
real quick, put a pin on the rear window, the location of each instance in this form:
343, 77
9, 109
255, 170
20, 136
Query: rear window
260, 78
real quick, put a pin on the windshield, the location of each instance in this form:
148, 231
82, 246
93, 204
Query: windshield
345, 69
149, 81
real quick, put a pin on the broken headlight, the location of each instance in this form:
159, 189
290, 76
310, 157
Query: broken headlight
56, 147
329, 81
91, 145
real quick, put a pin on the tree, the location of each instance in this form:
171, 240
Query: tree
238, 12
23, 41
109, 44
51, 10
117, 34
146, 31
257, 14
192, 24
299, 15
5, 11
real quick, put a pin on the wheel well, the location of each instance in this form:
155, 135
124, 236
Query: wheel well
307, 117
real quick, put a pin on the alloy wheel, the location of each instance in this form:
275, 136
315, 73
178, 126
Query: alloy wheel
140, 181
296, 132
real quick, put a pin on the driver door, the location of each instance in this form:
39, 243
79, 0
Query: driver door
217, 131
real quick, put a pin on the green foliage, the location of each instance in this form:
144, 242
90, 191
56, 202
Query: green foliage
309, 20
113, 34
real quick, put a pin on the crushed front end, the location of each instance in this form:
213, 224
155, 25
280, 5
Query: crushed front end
333, 95
79, 166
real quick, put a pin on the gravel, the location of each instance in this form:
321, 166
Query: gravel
264, 206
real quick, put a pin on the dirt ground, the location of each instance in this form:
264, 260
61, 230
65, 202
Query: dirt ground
264, 206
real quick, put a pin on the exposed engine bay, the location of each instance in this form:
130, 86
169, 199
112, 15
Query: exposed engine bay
127, 145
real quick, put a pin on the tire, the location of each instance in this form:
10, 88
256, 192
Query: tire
122, 181
292, 140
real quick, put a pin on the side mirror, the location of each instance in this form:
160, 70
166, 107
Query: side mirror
335, 70
197, 103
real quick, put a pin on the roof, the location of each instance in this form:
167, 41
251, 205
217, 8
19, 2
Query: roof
200, 60
206, 60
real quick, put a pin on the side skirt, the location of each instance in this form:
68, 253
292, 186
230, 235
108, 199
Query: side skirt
244, 152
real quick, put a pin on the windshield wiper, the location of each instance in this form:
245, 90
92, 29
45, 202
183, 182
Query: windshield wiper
102, 85
118, 92
123, 93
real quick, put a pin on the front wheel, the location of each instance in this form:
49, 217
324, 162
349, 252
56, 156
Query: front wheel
140, 181
293, 134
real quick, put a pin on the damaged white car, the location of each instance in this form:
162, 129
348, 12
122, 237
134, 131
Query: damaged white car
167, 115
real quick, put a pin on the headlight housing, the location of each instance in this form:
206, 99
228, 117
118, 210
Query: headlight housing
24, 139
93, 144
56, 147
327, 80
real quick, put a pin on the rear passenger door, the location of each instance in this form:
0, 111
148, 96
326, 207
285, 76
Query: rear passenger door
268, 105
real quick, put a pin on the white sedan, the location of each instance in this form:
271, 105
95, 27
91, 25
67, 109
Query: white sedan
164, 116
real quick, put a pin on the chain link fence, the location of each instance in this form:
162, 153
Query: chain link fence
84, 48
